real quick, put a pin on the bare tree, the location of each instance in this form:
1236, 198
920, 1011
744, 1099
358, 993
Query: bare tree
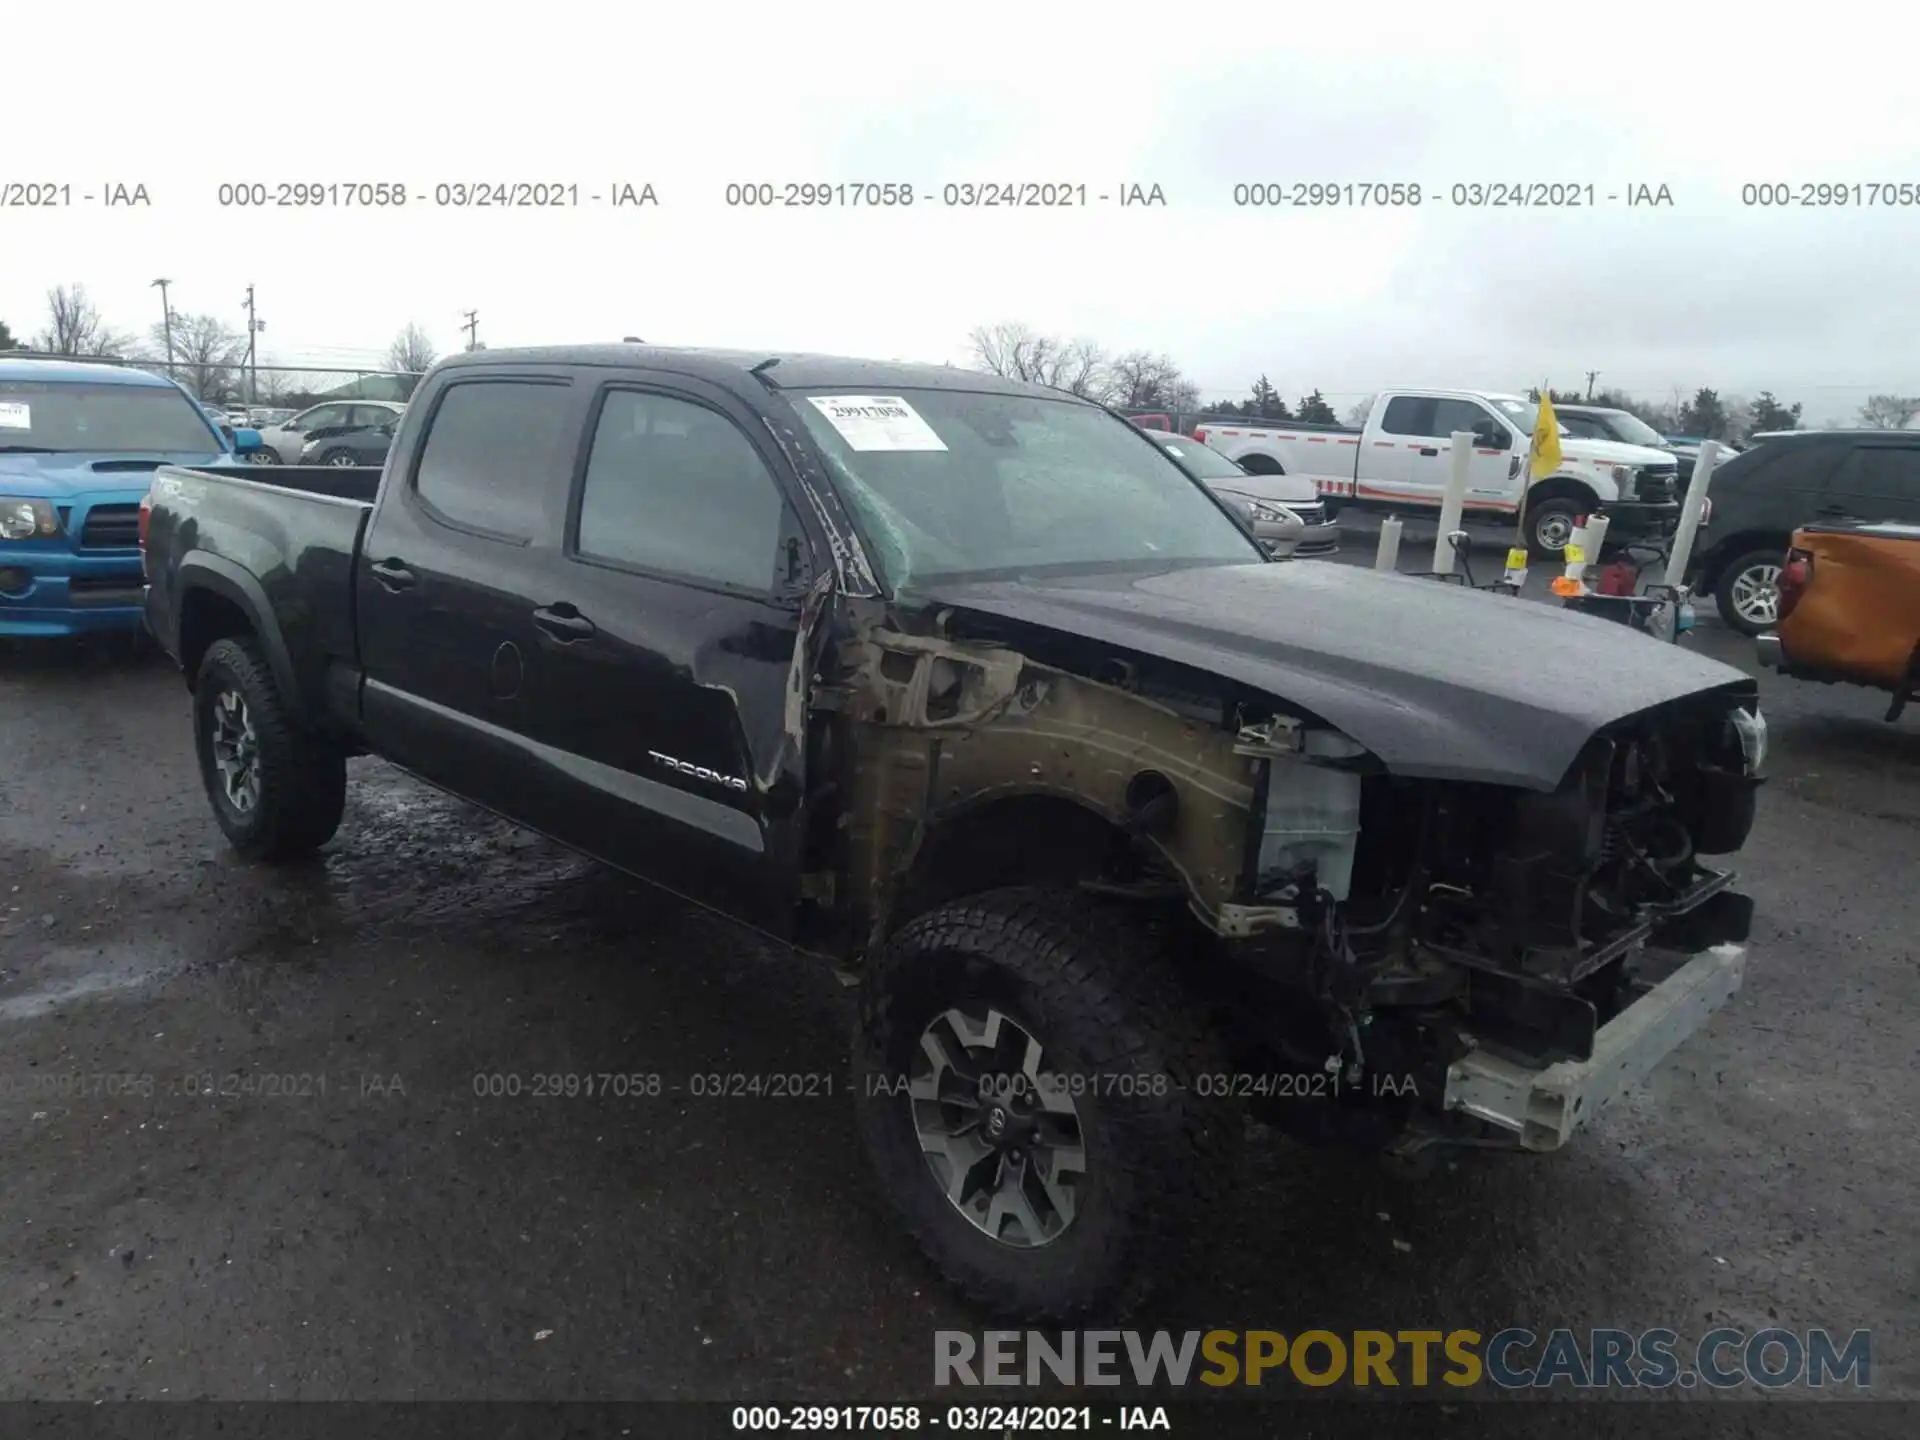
1141, 379
1014, 350
272, 386
1357, 412
1889, 412
412, 352
74, 326
207, 354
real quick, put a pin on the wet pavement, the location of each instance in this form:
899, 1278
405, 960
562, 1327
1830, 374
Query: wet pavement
260, 1138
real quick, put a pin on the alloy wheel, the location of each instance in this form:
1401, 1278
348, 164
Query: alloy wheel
236, 751
1000, 1133
1756, 594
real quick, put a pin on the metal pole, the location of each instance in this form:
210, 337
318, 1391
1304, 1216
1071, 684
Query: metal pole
166, 323
253, 369
1682, 550
1454, 501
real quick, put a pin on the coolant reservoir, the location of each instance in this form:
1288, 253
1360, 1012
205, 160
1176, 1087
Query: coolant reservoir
1313, 813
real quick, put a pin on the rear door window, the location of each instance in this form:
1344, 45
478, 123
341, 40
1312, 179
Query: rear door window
494, 449
1880, 482
1408, 415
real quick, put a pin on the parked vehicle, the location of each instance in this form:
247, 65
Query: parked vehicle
967, 687
1686, 449
1792, 480
284, 443
1399, 461
356, 447
261, 416
78, 446
1850, 608
1604, 422
1285, 510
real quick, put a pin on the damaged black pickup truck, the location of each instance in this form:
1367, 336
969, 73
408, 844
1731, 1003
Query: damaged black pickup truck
1124, 829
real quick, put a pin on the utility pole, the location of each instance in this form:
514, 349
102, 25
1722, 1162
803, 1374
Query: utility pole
1592, 375
166, 323
472, 327
254, 326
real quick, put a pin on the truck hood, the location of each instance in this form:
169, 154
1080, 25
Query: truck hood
1613, 452
70, 473
1434, 679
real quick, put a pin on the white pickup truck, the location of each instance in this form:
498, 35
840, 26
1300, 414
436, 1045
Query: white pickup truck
1399, 460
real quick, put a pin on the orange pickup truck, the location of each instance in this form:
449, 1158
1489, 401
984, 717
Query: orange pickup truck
1850, 609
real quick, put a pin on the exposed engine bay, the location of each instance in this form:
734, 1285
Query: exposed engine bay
1348, 921
1436, 918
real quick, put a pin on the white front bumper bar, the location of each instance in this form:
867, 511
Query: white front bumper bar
1543, 1107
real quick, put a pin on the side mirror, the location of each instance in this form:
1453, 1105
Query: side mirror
1491, 437
245, 441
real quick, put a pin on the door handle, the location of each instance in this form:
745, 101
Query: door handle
1429, 450
563, 623
392, 574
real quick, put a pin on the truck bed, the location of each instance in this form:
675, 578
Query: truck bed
286, 535
338, 482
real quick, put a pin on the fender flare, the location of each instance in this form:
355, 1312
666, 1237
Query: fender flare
201, 571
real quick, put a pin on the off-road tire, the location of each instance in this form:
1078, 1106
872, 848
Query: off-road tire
1729, 577
1103, 1000
302, 779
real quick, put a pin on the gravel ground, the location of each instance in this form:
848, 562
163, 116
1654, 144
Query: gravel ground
361, 1224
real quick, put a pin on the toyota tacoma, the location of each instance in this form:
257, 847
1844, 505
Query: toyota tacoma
1125, 831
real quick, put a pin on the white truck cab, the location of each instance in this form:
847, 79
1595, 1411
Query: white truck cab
1401, 457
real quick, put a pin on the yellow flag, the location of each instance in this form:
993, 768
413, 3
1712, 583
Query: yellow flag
1546, 438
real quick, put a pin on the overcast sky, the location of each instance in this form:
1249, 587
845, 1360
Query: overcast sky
1820, 305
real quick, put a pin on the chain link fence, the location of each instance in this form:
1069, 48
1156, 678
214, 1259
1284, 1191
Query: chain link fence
235, 383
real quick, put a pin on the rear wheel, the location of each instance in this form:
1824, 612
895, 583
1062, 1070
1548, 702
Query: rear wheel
1748, 591
276, 790
1025, 1077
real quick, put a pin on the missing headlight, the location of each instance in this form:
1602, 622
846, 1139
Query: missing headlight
1751, 727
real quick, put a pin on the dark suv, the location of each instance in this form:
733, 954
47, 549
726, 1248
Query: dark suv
1761, 497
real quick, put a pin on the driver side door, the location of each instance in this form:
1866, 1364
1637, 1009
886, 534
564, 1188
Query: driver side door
1431, 462
666, 641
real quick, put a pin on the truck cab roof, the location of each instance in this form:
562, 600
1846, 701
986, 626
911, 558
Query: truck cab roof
779, 370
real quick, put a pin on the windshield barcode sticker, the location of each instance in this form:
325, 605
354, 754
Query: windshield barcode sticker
14, 416
877, 422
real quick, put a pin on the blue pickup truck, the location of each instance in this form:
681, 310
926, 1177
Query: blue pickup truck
78, 448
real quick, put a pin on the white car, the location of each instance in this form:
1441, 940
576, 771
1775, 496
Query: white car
281, 444
1287, 512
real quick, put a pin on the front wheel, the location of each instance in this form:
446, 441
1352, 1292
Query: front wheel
341, 458
276, 790
1748, 592
1031, 1084
1550, 526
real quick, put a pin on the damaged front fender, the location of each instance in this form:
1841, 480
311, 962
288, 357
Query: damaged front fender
941, 730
